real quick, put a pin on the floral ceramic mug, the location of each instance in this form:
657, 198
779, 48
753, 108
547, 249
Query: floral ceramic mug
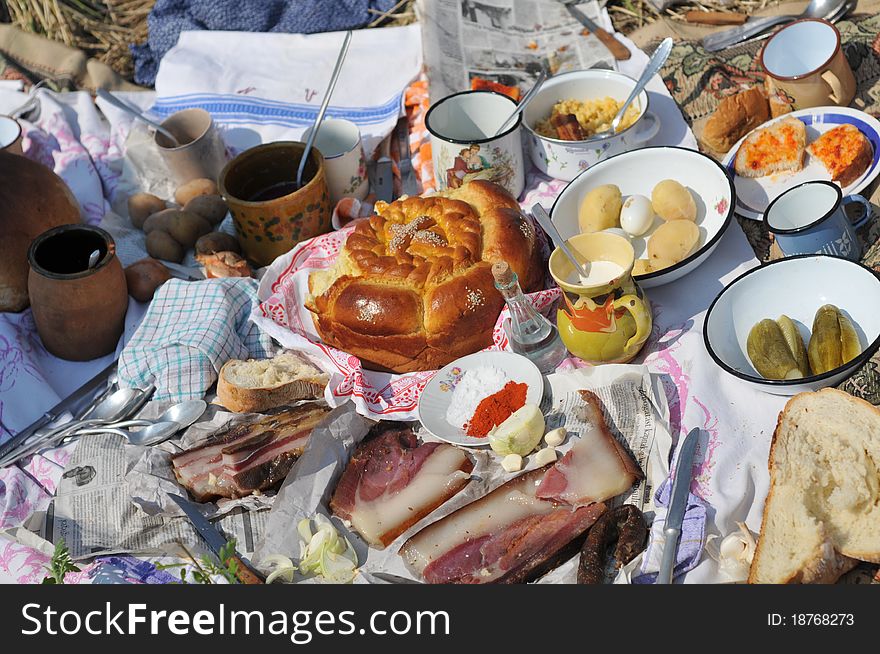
339, 141
464, 145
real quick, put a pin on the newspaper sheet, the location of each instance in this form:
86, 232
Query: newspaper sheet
637, 413
94, 513
506, 41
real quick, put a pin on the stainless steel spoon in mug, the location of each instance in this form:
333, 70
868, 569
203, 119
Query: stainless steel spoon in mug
547, 225
542, 77
119, 104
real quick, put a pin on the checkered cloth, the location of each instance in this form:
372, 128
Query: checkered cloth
191, 329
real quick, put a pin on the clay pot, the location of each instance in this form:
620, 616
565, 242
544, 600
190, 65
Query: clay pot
270, 217
32, 200
79, 311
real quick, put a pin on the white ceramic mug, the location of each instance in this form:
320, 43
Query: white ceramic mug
463, 142
339, 141
10, 135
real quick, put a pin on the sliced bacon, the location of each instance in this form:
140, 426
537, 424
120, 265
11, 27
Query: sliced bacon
242, 458
508, 536
392, 482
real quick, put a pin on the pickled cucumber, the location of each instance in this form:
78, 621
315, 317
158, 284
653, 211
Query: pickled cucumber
795, 343
770, 352
833, 342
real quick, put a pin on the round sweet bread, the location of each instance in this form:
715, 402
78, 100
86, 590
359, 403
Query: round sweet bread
412, 287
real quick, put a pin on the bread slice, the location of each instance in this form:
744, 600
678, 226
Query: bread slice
776, 148
845, 152
735, 116
823, 509
258, 385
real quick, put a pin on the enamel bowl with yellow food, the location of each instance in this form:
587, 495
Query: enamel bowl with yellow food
593, 97
671, 203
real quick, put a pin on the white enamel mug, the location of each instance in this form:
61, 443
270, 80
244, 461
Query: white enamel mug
10, 135
463, 142
339, 141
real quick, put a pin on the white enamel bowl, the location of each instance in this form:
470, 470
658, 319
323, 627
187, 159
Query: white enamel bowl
638, 172
797, 287
565, 159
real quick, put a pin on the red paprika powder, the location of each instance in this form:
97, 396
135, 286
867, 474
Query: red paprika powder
496, 408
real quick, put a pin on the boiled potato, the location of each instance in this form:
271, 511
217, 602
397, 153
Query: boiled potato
162, 246
144, 277
642, 267
217, 242
159, 220
600, 209
186, 228
143, 205
193, 189
672, 201
210, 207
672, 242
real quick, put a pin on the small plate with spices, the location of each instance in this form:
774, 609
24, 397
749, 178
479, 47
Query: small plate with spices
473, 394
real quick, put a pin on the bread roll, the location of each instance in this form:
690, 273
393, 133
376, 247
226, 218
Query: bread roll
258, 385
735, 117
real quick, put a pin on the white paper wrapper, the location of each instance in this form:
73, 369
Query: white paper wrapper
308, 488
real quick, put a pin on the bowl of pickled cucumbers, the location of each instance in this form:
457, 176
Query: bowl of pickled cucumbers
796, 324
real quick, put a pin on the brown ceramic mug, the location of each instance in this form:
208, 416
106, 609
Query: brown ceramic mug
270, 216
79, 311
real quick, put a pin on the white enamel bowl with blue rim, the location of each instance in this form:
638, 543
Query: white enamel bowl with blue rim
797, 287
435, 399
754, 194
638, 172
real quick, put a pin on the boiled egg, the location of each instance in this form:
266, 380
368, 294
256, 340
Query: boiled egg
636, 215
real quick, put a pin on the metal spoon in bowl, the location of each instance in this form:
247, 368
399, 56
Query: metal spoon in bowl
320, 117
547, 225
119, 104
661, 54
542, 77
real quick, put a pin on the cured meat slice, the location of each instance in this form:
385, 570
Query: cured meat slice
596, 468
392, 482
245, 457
508, 536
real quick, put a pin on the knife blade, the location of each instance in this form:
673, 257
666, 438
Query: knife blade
677, 505
617, 49
383, 185
245, 572
395, 579
56, 411
408, 183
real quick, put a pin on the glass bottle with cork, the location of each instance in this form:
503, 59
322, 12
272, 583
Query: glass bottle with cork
530, 333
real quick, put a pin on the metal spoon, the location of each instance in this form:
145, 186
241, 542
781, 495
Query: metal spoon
542, 77
184, 414
119, 104
320, 117
180, 416
93, 259
547, 225
153, 434
661, 54
826, 9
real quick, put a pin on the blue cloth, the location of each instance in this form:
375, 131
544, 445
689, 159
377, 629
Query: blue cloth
171, 17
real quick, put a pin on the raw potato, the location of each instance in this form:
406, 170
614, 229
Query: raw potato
162, 246
672, 201
210, 207
217, 242
144, 277
672, 242
143, 205
160, 220
600, 209
186, 228
193, 189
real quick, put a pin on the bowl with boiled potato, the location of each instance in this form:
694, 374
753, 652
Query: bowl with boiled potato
673, 204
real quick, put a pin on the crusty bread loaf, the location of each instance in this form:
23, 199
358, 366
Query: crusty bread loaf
823, 508
779, 147
845, 152
412, 288
258, 385
735, 116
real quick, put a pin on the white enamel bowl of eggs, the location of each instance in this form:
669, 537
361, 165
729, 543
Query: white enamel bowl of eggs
637, 173
797, 287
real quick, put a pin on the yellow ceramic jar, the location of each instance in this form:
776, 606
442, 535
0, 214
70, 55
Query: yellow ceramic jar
604, 318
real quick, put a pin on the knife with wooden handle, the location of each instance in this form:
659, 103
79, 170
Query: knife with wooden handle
617, 49
715, 17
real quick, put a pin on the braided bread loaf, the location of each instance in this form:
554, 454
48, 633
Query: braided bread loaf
412, 288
